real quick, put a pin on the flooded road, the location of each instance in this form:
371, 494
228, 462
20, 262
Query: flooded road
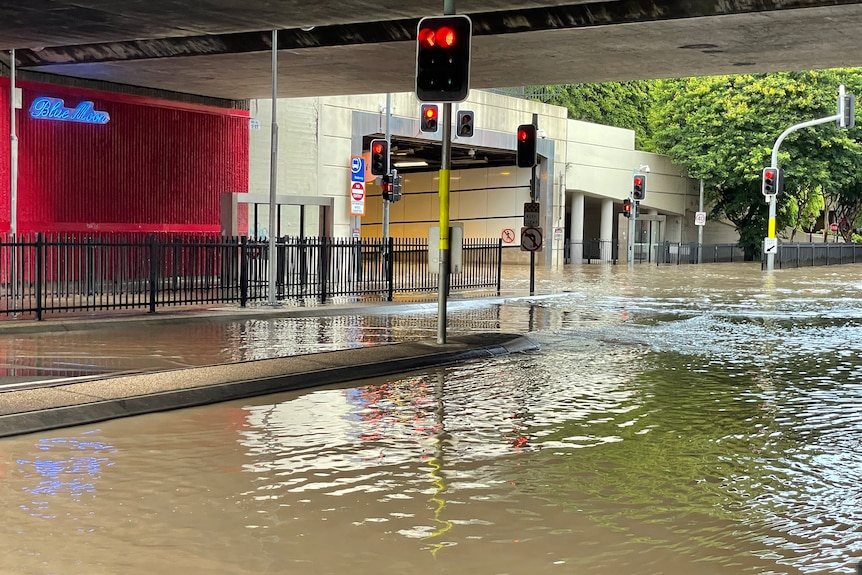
681, 420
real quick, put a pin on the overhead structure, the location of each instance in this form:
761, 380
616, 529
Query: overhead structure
221, 48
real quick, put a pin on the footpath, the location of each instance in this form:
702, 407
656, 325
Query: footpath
64, 403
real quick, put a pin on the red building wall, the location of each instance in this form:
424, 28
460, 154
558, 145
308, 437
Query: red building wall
156, 166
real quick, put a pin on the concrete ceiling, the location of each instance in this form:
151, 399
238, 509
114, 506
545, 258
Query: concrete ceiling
221, 48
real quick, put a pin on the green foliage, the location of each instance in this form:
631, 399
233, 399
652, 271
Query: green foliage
619, 104
723, 129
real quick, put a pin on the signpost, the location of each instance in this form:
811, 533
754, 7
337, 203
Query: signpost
357, 199
357, 186
531, 239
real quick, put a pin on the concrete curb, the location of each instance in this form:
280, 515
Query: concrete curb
95, 400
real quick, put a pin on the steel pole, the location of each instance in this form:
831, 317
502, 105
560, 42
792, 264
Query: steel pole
533, 199
700, 228
772, 201
443, 192
388, 168
13, 182
13, 151
273, 178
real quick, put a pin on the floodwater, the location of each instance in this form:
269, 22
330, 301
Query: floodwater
681, 420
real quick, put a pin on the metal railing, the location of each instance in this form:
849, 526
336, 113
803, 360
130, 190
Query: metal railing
796, 255
42, 274
674, 253
667, 253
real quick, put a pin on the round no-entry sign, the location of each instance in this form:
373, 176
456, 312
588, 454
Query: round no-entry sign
357, 191
834, 227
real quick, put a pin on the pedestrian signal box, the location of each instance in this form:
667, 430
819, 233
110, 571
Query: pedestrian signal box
379, 157
771, 181
639, 187
526, 146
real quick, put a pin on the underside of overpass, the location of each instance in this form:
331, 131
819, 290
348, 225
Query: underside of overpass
222, 48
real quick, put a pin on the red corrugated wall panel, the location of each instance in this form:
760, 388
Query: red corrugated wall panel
155, 166
4, 155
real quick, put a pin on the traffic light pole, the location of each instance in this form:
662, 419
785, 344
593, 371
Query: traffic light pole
443, 192
388, 171
772, 200
533, 199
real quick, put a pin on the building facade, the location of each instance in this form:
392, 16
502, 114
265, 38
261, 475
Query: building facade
584, 174
93, 160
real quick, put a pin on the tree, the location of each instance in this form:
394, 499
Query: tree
723, 129
619, 104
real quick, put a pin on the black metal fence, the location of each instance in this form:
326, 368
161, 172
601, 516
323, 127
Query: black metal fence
668, 253
674, 253
47, 274
796, 255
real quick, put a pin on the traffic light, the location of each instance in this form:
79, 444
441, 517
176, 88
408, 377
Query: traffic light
526, 146
465, 123
428, 121
379, 157
771, 181
848, 111
639, 187
396, 188
386, 187
627, 208
443, 58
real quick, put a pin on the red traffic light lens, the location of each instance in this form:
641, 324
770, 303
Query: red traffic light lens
639, 181
446, 37
769, 175
431, 112
377, 148
426, 38
523, 135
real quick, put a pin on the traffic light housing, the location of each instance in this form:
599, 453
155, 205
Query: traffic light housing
627, 208
379, 157
396, 188
390, 185
465, 123
443, 58
638, 187
771, 181
386, 187
429, 118
848, 112
526, 146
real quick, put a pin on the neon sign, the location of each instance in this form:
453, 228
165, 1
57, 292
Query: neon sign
55, 109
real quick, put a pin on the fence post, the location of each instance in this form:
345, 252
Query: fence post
389, 260
499, 264
39, 275
323, 264
154, 256
243, 271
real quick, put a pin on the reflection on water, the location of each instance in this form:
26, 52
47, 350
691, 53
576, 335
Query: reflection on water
677, 420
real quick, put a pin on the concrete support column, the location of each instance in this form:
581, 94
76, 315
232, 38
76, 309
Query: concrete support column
606, 232
576, 224
653, 233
